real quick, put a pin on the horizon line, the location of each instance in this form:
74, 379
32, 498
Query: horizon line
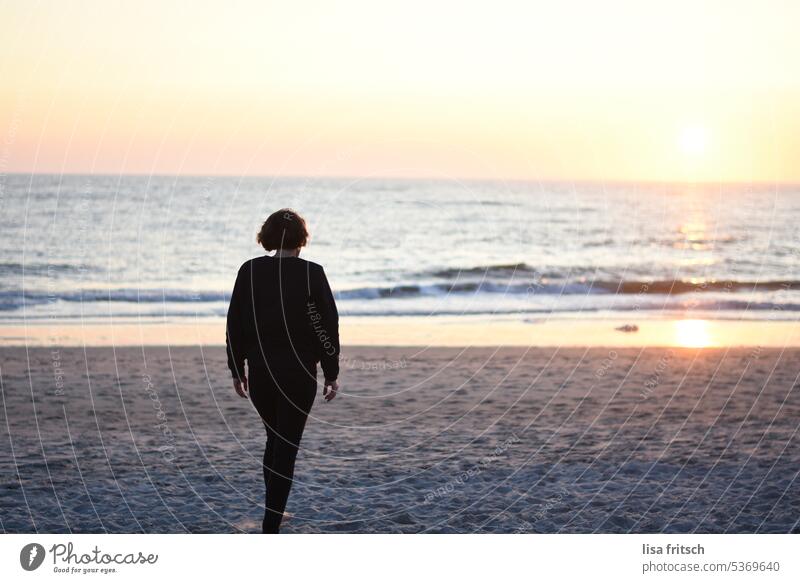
354, 178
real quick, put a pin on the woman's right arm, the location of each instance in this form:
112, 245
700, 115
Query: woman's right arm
234, 332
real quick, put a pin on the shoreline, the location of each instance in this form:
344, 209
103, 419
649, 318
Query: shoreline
690, 331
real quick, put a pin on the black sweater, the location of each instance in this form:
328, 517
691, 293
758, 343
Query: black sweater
283, 306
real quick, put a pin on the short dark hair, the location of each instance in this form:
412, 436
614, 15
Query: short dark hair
283, 229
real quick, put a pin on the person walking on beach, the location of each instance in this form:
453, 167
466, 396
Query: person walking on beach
282, 320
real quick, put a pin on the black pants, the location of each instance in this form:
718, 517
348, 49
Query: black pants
282, 391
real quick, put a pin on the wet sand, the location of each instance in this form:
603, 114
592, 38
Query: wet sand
153, 439
464, 330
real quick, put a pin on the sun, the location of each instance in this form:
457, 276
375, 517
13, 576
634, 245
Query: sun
693, 140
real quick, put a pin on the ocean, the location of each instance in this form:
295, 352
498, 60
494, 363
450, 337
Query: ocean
92, 248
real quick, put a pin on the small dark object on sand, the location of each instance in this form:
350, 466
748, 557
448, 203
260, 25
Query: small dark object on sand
628, 328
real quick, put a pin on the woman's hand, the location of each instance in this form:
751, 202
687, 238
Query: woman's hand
240, 386
329, 390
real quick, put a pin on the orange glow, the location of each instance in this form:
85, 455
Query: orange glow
460, 331
692, 334
530, 90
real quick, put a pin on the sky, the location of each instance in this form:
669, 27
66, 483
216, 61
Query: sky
612, 90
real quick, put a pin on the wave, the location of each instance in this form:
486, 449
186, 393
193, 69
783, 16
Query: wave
508, 269
440, 289
42, 269
657, 287
672, 287
716, 309
15, 299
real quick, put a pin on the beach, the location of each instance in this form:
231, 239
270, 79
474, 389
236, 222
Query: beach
520, 356
420, 440
545, 253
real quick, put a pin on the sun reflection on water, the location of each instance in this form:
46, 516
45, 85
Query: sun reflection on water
693, 334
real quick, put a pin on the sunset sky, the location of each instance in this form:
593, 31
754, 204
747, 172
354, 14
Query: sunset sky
548, 90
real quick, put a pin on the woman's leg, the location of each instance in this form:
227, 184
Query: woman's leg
293, 406
269, 455
263, 393
283, 396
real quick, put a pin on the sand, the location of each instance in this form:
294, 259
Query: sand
433, 440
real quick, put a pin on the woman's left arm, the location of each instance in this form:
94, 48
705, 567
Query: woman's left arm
329, 337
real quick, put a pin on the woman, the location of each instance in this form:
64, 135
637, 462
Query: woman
282, 320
